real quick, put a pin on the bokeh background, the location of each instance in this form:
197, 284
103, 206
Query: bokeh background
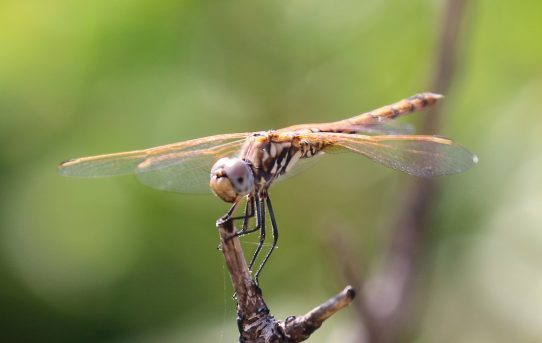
109, 260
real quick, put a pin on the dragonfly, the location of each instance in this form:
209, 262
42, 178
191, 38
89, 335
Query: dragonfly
239, 167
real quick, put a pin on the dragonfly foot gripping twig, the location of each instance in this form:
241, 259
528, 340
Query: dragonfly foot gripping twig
255, 321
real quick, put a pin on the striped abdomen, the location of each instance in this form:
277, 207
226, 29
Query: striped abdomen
379, 115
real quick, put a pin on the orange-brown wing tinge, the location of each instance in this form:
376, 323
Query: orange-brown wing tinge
126, 162
419, 155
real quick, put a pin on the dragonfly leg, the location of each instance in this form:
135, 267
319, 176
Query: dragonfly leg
228, 214
275, 239
249, 213
261, 225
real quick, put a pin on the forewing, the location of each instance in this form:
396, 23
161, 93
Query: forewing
419, 155
186, 171
127, 162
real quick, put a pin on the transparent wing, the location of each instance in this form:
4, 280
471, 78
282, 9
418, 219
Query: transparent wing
424, 156
388, 127
186, 171
300, 166
371, 126
126, 162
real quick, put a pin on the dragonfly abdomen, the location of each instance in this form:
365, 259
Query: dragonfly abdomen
365, 121
386, 113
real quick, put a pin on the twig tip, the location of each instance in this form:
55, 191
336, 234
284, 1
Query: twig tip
350, 292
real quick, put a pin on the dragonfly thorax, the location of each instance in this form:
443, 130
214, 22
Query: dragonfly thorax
231, 178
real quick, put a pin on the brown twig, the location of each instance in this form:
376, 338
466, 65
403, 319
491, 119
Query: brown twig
254, 320
388, 305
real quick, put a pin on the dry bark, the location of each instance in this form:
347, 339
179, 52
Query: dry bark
254, 319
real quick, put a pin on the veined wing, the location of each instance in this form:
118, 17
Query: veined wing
185, 171
419, 155
300, 166
382, 126
194, 155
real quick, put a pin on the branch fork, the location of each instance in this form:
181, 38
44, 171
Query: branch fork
254, 319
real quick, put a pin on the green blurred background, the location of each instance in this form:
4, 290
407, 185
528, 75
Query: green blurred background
109, 260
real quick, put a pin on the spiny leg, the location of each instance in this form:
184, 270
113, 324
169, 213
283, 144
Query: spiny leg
259, 203
228, 214
275, 239
261, 224
251, 209
253, 203
246, 230
249, 213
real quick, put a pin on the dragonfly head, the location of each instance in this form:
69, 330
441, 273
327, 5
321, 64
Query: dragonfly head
231, 178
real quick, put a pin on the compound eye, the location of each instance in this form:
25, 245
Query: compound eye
240, 175
231, 178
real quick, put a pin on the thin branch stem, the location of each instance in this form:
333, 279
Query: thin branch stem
255, 322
